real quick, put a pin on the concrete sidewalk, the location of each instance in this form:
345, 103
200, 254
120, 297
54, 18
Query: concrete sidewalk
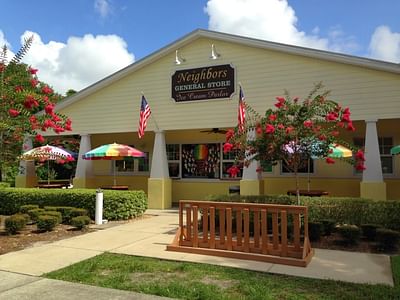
150, 236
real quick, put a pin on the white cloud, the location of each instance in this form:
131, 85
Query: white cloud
78, 63
385, 44
272, 20
102, 7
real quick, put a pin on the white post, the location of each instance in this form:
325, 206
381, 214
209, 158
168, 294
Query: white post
83, 173
250, 172
373, 171
99, 207
159, 163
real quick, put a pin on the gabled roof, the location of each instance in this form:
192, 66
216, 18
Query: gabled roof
251, 42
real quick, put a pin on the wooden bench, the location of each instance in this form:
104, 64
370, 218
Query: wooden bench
262, 232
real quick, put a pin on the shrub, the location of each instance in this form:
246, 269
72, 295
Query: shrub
46, 222
343, 210
314, 231
78, 212
4, 185
118, 205
51, 208
14, 224
350, 234
66, 213
80, 222
328, 226
35, 213
369, 231
25, 208
387, 239
54, 214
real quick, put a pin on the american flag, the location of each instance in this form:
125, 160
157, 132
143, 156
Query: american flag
144, 115
241, 111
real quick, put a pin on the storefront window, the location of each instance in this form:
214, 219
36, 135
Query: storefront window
200, 160
228, 160
174, 160
133, 165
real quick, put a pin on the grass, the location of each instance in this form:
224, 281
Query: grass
200, 281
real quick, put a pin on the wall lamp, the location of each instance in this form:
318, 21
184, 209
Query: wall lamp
214, 53
178, 59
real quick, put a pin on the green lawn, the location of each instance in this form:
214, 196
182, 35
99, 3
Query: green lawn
201, 281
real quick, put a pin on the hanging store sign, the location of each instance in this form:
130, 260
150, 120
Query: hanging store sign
203, 83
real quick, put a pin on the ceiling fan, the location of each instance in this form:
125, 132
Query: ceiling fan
215, 130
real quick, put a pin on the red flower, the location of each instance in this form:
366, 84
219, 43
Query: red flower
19, 88
295, 99
229, 134
332, 116
49, 109
47, 90
227, 147
269, 129
33, 71
329, 160
259, 129
70, 158
49, 123
322, 137
308, 123
340, 124
280, 103
289, 129
346, 118
272, 118
34, 82
346, 111
360, 155
68, 127
350, 126
360, 166
39, 138
233, 171
58, 129
280, 126
13, 112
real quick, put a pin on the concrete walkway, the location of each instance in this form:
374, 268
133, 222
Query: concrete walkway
149, 237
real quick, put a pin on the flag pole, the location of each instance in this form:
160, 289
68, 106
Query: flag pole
152, 116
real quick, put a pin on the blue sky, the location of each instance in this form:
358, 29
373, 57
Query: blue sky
72, 37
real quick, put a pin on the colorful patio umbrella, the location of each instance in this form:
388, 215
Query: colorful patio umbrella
339, 151
113, 152
47, 153
395, 150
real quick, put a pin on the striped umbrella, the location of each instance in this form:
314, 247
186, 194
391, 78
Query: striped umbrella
47, 153
395, 150
113, 152
339, 151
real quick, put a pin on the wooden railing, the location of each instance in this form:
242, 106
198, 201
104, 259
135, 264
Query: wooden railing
263, 232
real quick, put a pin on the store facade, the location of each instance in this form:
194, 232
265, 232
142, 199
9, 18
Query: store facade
192, 88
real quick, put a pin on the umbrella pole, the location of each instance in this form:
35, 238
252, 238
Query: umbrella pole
115, 180
48, 171
308, 173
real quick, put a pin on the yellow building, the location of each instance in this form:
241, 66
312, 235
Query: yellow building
191, 86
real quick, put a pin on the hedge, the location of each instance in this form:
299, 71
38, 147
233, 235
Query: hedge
343, 210
117, 205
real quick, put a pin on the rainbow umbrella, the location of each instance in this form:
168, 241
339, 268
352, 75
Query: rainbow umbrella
395, 150
339, 151
47, 153
113, 152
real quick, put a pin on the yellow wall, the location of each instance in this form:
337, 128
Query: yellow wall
198, 190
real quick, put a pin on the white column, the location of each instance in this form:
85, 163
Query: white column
373, 171
159, 163
250, 172
27, 167
84, 167
372, 185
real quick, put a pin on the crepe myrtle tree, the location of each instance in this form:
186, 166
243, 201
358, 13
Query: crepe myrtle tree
27, 106
293, 132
